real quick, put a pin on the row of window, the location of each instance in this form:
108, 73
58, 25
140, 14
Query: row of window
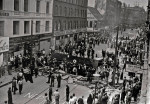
17, 4
66, 25
16, 25
70, 12
77, 2
92, 24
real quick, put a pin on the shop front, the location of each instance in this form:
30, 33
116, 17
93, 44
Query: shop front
45, 42
4, 49
22, 45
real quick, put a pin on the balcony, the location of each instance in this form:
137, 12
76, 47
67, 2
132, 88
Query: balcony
23, 14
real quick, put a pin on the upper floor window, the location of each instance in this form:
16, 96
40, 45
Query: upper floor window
1, 4
47, 26
38, 6
26, 27
37, 26
16, 27
26, 5
60, 10
1, 28
56, 10
65, 11
16, 5
47, 7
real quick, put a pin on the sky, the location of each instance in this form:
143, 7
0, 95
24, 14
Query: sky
143, 3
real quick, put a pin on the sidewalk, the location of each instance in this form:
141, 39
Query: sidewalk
6, 79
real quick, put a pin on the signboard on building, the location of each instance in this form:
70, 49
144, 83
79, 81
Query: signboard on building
4, 44
134, 68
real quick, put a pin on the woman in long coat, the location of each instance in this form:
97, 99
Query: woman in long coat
90, 99
9, 96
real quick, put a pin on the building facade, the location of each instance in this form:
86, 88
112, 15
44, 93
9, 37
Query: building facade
133, 16
94, 21
69, 20
26, 22
110, 9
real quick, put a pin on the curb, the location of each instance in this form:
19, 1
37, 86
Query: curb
5, 84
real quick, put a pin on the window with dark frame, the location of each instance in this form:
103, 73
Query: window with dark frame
26, 27
1, 4
26, 5
47, 26
47, 7
38, 6
16, 27
1, 28
16, 5
37, 26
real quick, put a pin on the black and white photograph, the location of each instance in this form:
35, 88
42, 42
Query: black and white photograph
74, 51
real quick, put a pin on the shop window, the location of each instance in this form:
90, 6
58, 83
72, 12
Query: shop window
26, 5
38, 6
1, 28
1, 4
26, 27
37, 26
16, 5
47, 7
16, 27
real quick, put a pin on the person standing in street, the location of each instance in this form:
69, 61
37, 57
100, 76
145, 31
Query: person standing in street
80, 100
9, 96
20, 84
67, 93
57, 96
52, 80
46, 99
71, 101
59, 81
74, 99
90, 99
49, 77
50, 93
14, 85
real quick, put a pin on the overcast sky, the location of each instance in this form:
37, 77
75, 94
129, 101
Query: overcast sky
143, 3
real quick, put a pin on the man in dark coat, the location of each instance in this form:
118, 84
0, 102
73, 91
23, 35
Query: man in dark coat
92, 53
49, 77
14, 85
50, 93
9, 96
80, 100
20, 84
59, 81
88, 53
90, 99
52, 80
67, 93
104, 98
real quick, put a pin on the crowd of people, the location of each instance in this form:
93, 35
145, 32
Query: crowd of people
28, 66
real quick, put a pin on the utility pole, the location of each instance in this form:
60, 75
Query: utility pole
31, 41
116, 58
